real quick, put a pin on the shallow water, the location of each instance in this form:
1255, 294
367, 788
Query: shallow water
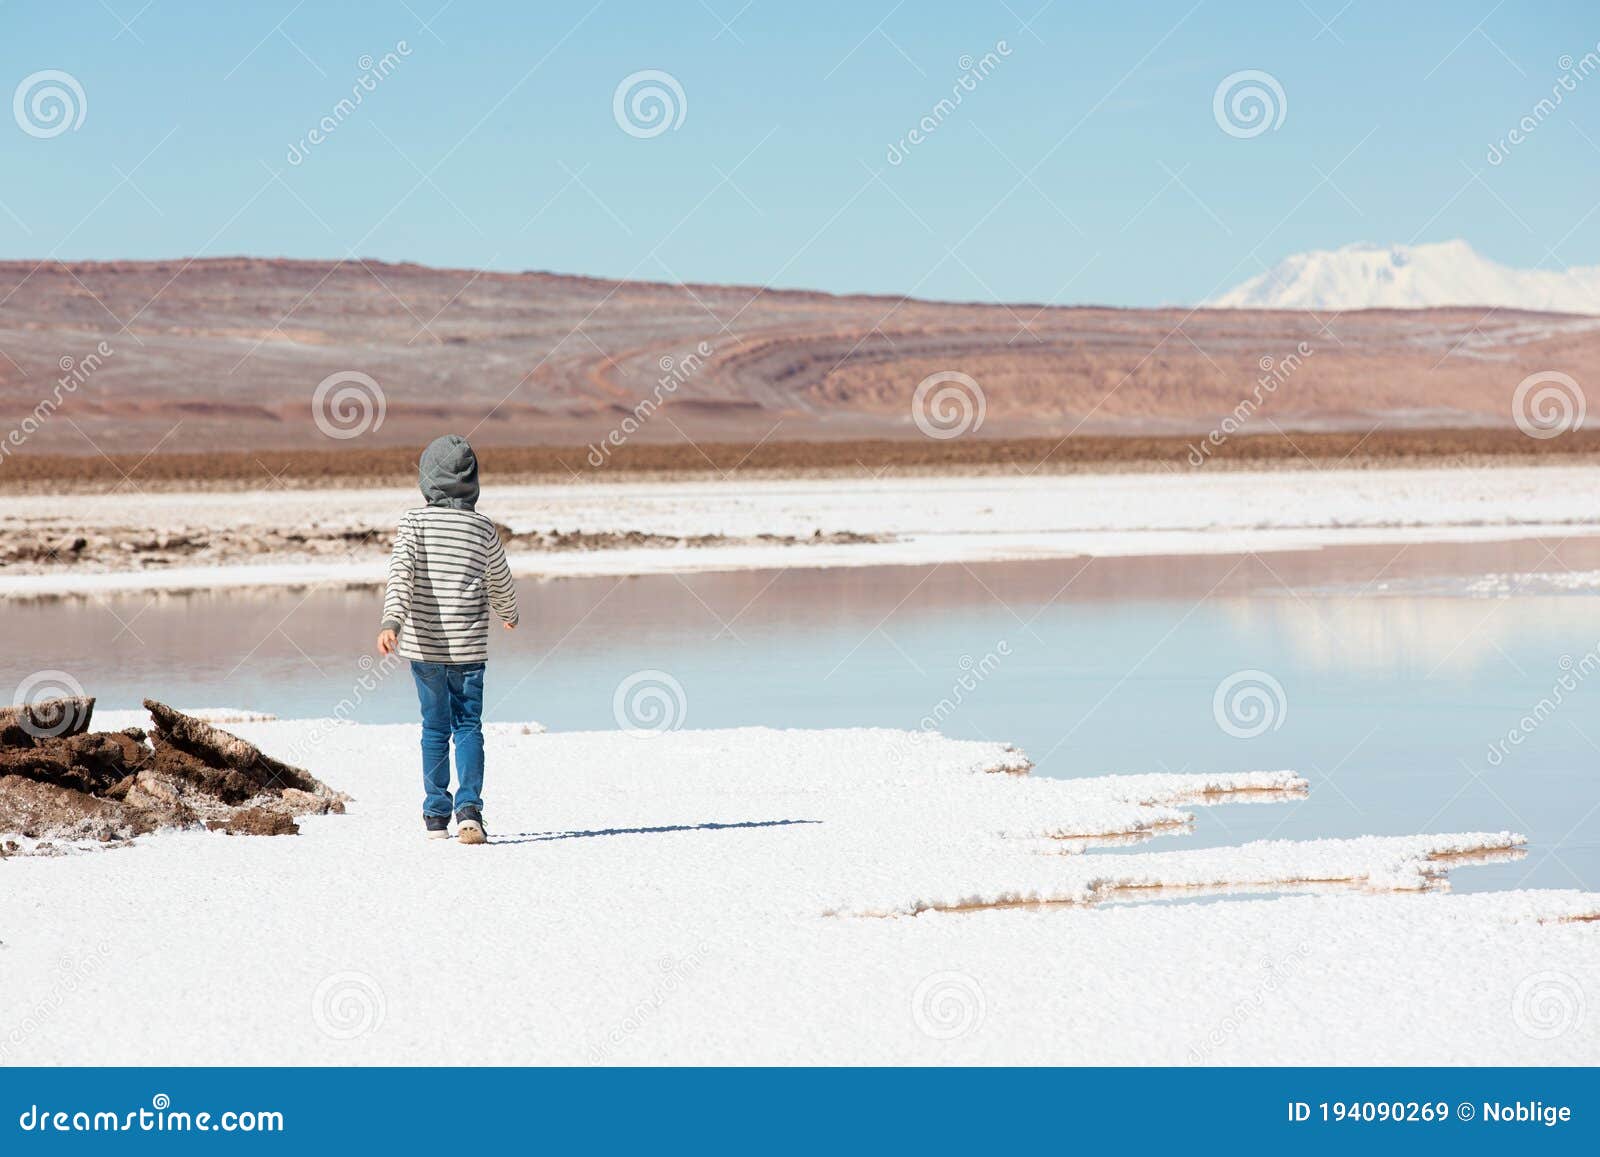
1395, 682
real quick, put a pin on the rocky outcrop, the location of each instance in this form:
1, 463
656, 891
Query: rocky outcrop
241, 765
45, 719
60, 782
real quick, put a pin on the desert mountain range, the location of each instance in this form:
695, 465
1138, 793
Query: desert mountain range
229, 353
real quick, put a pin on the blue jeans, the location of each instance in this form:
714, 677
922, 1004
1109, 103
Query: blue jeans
451, 695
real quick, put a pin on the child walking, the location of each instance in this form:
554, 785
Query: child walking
447, 571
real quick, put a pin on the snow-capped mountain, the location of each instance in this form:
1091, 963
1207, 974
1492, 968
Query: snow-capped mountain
1366, 276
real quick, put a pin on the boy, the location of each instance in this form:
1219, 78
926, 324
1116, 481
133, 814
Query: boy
447, 571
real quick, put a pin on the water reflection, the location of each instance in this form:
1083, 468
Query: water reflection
1392, 702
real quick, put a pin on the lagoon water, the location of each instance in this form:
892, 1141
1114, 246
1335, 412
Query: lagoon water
1377, 673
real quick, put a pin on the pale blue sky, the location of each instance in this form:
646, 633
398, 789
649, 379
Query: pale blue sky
1087, 167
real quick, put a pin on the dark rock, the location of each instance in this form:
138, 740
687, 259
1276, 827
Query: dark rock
113, 785
256, 821
47, 719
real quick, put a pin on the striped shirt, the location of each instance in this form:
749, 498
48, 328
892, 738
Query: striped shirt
447, 570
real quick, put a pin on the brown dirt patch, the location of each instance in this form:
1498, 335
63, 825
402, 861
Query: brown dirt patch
75, 785
256, 821
40, 549
350, 466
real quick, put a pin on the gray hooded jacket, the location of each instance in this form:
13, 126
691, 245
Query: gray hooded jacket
448, 568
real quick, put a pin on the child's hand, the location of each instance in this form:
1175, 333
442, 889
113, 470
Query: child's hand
386, 642
508, 626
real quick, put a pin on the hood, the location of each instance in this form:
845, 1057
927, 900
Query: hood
448, 473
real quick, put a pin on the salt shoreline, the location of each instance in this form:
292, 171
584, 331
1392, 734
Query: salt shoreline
895, 522
719, 879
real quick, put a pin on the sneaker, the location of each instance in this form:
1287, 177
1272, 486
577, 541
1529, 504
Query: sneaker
469, 826
438, 826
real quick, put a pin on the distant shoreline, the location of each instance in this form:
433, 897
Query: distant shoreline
135, 540
349, 465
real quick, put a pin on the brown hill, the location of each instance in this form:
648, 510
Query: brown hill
227, 354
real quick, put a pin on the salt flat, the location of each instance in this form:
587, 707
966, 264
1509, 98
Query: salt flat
779, 896
907, 521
